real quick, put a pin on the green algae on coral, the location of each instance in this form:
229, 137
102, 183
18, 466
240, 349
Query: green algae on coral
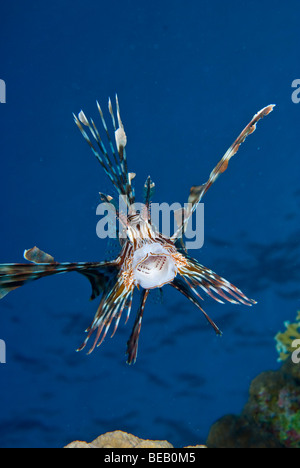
270, 418
284, 341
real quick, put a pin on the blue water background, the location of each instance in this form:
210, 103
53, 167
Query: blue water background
189, 76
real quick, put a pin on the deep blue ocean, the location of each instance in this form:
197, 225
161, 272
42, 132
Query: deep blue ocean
189, 76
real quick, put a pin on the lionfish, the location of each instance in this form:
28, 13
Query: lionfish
147, 259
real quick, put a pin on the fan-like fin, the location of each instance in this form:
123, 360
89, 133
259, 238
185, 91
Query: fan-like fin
197, 275
182, 287
15, 275
114, 299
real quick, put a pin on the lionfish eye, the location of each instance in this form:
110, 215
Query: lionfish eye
153, 266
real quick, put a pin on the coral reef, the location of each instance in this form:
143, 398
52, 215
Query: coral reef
270, 418
120, 439
284, 341
233, 431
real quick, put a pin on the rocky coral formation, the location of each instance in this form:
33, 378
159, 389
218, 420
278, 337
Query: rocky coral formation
287, 341
270, 418
238, 432
120, 439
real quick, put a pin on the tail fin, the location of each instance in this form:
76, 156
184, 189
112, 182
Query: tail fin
15, 275
117, 171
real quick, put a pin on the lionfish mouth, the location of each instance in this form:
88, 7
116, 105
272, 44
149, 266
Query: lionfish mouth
153, 266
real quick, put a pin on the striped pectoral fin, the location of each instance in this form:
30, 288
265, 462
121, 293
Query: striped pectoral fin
5, 290
99, 277
182, 287
15, 275
198, 276
197, 192
115, 298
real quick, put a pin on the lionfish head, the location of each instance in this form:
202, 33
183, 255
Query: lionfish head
153, 258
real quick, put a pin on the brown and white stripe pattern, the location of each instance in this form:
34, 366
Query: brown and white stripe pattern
117, 171
15, 275
198, 191
115, 281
